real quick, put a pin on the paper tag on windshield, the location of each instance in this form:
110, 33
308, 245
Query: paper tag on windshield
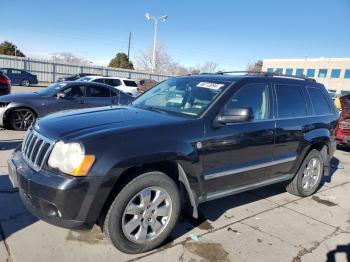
210, 85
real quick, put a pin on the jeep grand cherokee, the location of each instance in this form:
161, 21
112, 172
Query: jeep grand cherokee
186, 141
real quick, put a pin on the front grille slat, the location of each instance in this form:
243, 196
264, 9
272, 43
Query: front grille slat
36, 149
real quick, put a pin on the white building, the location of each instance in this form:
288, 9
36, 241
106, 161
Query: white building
334, 73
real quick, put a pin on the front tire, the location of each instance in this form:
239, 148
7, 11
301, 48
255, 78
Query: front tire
309, 176
21, 119
144, 213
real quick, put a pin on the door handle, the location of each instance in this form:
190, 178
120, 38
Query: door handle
268, 133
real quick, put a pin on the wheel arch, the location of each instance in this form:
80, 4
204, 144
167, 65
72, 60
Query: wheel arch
171, 168
11, 109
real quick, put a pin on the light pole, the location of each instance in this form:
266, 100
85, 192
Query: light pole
156, 19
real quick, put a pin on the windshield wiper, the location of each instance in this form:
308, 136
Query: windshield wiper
151, 108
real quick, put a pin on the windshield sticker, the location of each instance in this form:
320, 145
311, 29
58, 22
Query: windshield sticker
209, 85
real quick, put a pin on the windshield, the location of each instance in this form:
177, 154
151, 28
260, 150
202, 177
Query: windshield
52, 89
187, 96
85, 79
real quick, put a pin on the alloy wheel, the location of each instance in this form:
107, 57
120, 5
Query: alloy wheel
311, 173
22, 119
146, 215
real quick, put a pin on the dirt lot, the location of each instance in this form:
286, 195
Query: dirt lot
267, 224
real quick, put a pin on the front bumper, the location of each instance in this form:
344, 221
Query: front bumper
58, 199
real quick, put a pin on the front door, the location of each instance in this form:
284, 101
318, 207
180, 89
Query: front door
98, 96
239, 154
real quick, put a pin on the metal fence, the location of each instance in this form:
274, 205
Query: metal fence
49, 71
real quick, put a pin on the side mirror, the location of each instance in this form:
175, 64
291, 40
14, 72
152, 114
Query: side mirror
60, 95
233, 115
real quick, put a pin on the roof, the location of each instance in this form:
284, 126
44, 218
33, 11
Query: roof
108, 77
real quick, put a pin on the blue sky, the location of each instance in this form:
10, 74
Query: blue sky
232, 33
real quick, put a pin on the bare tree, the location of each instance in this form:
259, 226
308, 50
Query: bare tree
208, 67
66, 57
162, 59
256, 67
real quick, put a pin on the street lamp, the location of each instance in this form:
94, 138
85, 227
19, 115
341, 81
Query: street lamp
156, 19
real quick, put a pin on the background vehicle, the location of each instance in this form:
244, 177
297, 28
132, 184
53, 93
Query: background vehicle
342, 132
74, 77
126, 85
5, 84
145, 84
18, 111
20, 77
186, 141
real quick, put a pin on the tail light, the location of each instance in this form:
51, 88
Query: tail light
4, 79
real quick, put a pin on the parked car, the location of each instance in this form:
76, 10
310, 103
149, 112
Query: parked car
145, 84
126, 85
5, 84
20, 77
73, 77
186, 141
343, 126
19, 111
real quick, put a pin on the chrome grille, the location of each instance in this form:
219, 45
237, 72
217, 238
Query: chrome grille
36, 149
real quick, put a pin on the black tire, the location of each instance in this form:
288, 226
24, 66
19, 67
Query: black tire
20, 119
113, 224
296, 186
25, 82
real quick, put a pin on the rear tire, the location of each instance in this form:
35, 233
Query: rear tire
25, 82
309, 175
144, 213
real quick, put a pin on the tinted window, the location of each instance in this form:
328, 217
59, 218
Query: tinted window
290, 101
112, 82
322, 73
310, 72
130, 83
254, 96
335, 73
299, 72
347, 73
97, 91
289, 71
74, 91
99, 80
319, 101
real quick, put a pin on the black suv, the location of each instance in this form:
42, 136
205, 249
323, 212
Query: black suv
188, 140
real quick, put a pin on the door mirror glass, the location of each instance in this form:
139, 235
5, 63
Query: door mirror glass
60, 95
234, 115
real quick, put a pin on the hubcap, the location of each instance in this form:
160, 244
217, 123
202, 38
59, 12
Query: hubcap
146, 215
22, 119
311, 174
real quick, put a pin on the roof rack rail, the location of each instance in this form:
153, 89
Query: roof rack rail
263, 73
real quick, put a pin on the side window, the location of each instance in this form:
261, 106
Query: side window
4, 70
319, 101
290, 101
99, 80
254, 96
97, 91
115, 82
130, 83
16, 72
74, 91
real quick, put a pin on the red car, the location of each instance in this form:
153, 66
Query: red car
342, 133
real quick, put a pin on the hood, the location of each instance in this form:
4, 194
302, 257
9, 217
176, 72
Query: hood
75, 124
18, 97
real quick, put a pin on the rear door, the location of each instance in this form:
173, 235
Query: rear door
293, 110
16, 76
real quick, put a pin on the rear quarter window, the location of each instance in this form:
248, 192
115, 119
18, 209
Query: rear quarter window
319, 101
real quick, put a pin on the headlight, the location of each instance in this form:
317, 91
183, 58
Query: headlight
70, 158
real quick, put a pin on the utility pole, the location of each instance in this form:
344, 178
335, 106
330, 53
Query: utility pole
129, 46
